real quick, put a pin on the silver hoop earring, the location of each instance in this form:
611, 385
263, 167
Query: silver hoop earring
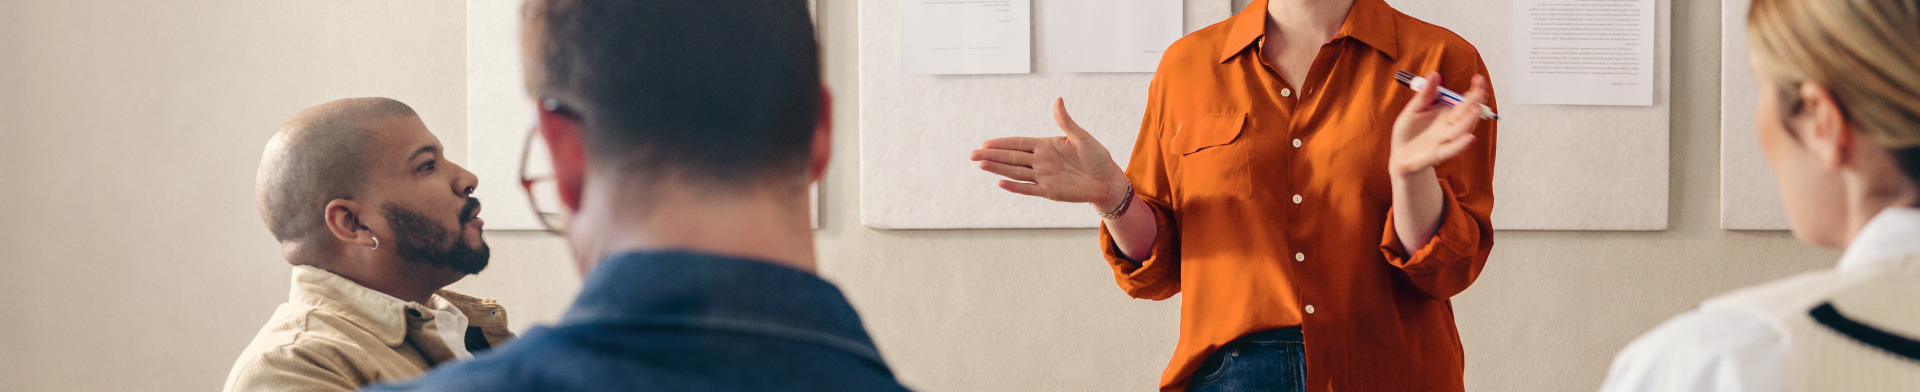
376, 242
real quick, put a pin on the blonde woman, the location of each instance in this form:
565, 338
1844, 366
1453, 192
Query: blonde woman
1839, 122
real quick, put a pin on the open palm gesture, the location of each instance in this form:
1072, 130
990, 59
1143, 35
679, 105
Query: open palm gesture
1072, 168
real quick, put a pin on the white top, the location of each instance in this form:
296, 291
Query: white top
452, 325
450, 322
1725, 349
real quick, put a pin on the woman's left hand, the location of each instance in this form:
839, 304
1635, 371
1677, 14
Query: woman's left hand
1428, 132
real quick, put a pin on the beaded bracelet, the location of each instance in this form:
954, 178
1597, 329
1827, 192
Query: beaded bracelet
1125, 201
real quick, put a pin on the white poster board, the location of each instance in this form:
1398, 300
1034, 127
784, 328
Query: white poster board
1568, 52
1558, 167
1113, 35
499, 115
1564, 167
946, 37
916, 130
1749, 199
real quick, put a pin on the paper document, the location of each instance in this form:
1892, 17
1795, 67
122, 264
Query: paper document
966, 36
1583, 52
1111, 35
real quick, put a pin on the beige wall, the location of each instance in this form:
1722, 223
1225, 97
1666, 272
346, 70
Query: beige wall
131, 257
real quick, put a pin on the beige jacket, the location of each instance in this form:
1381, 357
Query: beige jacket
335, 335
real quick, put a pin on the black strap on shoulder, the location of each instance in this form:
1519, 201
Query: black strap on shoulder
1866, 334
477, 340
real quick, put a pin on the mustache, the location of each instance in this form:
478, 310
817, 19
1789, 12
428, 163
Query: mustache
466, 214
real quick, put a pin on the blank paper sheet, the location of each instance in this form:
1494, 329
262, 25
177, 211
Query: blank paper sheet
1111, 35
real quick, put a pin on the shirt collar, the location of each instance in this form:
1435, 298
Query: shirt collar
711, 292
384, 315
374, 311
480, 312
1369, 21
1892, 233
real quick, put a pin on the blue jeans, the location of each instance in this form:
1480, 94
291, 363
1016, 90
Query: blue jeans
1269, 361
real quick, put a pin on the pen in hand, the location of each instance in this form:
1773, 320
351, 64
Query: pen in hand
1446, 96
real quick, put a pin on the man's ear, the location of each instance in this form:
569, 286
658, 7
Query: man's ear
822, 137
343, 221
1825, 128
561, 130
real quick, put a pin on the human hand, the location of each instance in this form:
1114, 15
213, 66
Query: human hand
1073, 168
1427, 132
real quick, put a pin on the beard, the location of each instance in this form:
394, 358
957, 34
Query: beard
424, 240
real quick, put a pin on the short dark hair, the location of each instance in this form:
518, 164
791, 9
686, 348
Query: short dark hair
719, 92
319, 155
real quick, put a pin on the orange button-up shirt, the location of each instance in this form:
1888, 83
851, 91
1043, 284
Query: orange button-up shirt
1274, 202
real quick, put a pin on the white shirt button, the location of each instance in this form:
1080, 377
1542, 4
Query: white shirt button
1286, 92
1296, 143
1309, 309
1299, 257
1297, 199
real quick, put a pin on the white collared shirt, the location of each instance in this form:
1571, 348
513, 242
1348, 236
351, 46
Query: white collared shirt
1721, 349
452, 325
334, 334
449, 321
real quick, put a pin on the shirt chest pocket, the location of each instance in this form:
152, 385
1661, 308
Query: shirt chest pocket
1213, 166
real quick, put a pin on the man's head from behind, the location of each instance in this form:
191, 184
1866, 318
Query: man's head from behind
361, 184
661, 99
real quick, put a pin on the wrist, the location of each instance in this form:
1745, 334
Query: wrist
1400, 174
1117, 191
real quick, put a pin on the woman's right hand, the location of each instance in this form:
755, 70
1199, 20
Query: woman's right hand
1074, 168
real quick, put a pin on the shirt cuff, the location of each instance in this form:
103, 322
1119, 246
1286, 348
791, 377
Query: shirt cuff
1157, 276
1455, 241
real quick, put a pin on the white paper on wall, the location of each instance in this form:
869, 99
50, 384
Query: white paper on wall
1563, 167
499, 114
1112, 35
1583, 52
1749, 198
916, 130
946, 37
1557, 168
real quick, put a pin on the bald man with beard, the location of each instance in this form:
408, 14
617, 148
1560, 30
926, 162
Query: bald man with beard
375, 221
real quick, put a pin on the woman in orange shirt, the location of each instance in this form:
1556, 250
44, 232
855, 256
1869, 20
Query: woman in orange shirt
1316, 222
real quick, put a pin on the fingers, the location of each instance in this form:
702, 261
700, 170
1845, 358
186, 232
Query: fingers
1024, 144
1451, 148
1066, 123
1480, 85
1424, 98
1020, 188
1476, 95
1018, 173
1458, 121
1467, 113
1010, 157
1432, 153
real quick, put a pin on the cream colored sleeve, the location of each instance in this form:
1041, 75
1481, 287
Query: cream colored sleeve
290, 368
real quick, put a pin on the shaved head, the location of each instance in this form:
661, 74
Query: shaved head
319, 155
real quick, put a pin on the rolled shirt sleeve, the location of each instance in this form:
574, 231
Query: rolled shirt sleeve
1157, 275
1453, 258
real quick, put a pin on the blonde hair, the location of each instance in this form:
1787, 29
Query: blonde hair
1865, 52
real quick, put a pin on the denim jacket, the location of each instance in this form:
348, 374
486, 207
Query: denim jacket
678, 321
